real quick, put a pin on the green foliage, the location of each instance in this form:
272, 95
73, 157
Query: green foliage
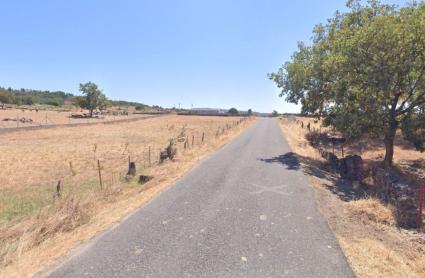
93, 97
413, 127
233, 111
18, 205
80, 101
364, 72
123, 103
30, 97
275, 113
57, 98
249, 112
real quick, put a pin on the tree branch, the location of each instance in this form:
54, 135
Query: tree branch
418, 101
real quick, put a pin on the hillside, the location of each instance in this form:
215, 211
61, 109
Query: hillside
54, 98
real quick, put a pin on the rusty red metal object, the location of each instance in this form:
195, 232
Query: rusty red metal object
420, 205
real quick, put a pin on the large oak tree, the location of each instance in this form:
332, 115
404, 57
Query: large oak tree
93, 97
364, 72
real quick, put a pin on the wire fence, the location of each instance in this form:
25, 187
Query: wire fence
111, 169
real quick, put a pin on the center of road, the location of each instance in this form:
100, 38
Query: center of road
243, 212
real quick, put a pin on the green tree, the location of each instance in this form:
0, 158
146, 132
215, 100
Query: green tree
233, 111
249, 112
93, 98
275, 113
364, 73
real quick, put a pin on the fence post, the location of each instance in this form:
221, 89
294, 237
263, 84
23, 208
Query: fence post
58, 189
419, 220
203, 136
193, 140
100, 174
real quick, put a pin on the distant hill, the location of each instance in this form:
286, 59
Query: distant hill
56, 98
29, 97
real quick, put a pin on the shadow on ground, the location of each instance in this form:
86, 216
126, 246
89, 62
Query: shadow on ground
340, 187
290, 160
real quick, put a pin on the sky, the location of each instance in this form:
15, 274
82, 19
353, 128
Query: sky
200, 53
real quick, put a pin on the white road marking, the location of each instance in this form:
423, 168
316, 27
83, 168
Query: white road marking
273, 189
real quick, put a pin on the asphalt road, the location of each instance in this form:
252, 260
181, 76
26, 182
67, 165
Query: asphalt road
247, 211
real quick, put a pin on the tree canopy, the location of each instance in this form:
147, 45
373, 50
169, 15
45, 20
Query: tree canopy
363, 73
233, 111
29, 97
93, 97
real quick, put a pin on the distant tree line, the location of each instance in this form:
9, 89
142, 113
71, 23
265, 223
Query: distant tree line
30, 97
59, 98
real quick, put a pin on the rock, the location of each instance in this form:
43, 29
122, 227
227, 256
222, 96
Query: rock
163, 156
351, 168
144, 179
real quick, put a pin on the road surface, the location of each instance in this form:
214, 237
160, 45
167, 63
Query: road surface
247, 211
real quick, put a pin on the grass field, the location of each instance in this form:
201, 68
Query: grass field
36, 229
43, 117
365, 228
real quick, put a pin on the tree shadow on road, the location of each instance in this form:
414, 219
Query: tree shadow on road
290, 160
341, 188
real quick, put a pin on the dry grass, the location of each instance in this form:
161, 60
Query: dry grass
372, 259
50, 117
368, 148
365, 228
371, 209
295, 136
35, 231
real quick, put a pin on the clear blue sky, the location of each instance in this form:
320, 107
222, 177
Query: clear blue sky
209, 53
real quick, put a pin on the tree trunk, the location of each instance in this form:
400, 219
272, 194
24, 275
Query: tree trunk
389, 143
91, 113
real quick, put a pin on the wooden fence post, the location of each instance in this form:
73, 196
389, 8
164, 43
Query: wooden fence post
203, 136
100, 174
58, 190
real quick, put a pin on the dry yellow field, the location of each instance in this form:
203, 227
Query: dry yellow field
50, 117
36, 229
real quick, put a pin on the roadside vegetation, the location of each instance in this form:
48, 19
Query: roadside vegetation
364, 73
365, 225
361, 85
